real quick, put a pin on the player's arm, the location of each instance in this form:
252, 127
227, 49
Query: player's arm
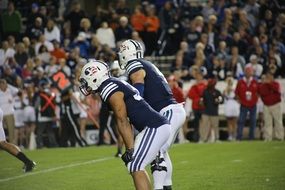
137, 79
119, 107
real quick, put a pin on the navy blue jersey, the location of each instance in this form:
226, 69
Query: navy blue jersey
139, 112
156, 89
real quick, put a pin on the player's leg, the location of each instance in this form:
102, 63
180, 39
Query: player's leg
141, 180
147, 144
161, 175
14, 150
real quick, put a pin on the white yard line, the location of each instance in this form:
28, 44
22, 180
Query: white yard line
55, 169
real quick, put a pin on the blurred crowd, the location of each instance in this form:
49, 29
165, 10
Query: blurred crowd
44, 44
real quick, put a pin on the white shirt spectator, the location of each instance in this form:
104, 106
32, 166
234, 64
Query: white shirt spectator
48, 44
7, 99
54, 34
257, 68
106, 36
5, 55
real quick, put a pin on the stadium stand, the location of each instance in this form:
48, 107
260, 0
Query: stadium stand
49, 41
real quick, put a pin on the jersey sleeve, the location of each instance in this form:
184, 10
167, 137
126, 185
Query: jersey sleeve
108, 90
133, 67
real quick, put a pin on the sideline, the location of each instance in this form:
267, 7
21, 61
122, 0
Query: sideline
55, 169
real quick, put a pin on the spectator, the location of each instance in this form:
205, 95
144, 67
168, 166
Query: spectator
28, 69
74, 17
45, 109
257, 68
138, 19
7, 94
11, 21
176, 89
270, 94
64, 67
33, 14
218, 70
247, 94
35, 30
240, 43
105, 35
6, 53
235, 63
211, 30
222, 50
124, 31
21, 56
52, 67
211, 99
43, 42
151, 29
51, 31
195, 94
82, 43
231, 108
58, 52
191, 36
85, 26
44, 55
208, 10
122, 9
28, 47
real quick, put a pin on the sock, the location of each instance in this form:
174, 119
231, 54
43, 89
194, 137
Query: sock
21, 156
119, 150
167, 187
159, 174
168, 177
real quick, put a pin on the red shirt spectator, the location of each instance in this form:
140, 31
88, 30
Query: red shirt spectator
195, 94
176, 90
247, 91
58, 52
138, 20
270, 93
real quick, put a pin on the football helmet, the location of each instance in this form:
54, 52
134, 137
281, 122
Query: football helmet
129, 50
93, 74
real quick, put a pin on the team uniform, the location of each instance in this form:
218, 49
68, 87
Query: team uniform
158, 95
153, 128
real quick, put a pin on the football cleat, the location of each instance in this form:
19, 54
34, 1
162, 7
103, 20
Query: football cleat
29, 166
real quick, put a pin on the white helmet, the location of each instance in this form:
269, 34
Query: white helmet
93, 74
129, 50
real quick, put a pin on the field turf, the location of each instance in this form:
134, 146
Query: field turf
229, 166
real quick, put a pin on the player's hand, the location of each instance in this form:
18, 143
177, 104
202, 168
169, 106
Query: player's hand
128, 156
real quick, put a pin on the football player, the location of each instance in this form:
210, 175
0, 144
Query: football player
128, 107
13, 149
153, 87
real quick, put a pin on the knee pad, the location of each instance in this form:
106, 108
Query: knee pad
158, 164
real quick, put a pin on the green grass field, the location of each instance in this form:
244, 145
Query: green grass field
229, 166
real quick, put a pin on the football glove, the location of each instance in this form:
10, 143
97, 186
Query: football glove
128, 156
